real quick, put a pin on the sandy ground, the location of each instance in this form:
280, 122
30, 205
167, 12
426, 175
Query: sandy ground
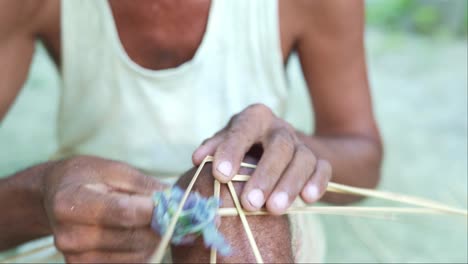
420, 97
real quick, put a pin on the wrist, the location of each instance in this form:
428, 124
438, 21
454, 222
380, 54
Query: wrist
36, 189
21, 199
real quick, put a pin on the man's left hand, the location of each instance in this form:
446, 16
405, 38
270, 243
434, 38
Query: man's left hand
287, 168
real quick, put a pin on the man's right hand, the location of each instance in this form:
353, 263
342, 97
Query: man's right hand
100, 210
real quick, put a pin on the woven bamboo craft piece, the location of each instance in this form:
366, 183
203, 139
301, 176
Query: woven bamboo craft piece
424, 207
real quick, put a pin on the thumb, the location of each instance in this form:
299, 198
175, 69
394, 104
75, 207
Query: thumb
124, 178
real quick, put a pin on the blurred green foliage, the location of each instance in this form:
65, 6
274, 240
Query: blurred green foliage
427, 17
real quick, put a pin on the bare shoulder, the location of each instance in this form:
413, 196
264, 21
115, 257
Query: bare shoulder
324, 16
21, 23
25, 17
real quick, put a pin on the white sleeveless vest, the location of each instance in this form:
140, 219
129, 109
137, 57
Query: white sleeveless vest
154, 119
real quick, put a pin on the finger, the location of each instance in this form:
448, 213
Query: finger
246, 129
293, 180
108, 257
317, 185
208, 147
125, 178
277, 155
94, 205
81, 238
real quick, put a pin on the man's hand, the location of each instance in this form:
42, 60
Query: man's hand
286, 169
100, 210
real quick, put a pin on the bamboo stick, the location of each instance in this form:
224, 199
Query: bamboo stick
338, 210
245, 223
216, 193
159, 253
406, 199
241, 178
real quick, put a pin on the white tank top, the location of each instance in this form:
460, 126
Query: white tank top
154, 119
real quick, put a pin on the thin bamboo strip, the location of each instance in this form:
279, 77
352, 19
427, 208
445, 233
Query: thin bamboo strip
248, 165
335, 187
245, 223
240, 178
216, 193
370, 215
28, 253
159, 253
339, 210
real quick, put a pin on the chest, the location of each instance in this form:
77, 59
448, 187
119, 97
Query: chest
161, 34
165, 34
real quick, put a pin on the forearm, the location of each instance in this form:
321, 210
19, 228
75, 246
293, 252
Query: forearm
23, 217
355, 161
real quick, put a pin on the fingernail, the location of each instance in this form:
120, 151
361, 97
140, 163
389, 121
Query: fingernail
312, 192
280, 200
256, 198
225, 168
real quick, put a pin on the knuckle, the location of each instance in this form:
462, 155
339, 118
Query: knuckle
282, 124
267, 177
60, 205
148, 183
204, 142
279, 124
235, 133
326, 168
235, 136
64, 242
306, 155
307, 158
270, 171
234, 119
282, 140
117, 167
126, 216
220, 134
261, 109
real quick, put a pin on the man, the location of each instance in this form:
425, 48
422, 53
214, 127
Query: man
145, 82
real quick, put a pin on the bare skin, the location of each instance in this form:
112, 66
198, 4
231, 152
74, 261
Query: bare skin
328, 36
268, 242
